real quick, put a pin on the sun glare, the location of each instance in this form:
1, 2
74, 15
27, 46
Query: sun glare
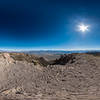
83, 28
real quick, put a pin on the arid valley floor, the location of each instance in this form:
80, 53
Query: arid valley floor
69, 77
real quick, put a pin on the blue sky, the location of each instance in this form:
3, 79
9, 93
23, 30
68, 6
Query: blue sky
49, 24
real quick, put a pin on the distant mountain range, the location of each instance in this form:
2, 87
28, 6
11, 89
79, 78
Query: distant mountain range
52, 51
61, 51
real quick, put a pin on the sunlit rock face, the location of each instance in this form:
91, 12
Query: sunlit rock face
8, 58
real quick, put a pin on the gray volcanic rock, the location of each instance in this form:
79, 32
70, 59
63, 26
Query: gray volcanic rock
23, 80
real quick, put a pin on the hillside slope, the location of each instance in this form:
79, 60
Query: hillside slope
73, 80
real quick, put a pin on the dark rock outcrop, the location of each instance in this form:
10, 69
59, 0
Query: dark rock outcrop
64, 59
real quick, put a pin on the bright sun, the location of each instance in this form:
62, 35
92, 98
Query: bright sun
83, 28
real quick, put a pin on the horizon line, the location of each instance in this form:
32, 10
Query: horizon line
32, 49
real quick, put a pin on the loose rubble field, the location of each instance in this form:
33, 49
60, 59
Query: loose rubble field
71, 77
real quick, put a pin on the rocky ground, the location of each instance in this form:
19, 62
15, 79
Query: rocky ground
28, 77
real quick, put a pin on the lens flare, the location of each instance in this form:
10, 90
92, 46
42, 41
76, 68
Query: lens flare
83, 27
